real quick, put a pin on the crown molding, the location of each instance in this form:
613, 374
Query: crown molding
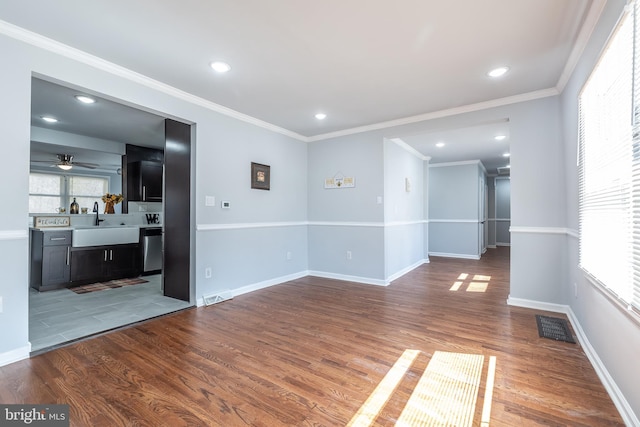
62, 49
500, 102
460, 163
586, 30
400, 143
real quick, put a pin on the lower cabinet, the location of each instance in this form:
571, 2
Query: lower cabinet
49, 259
102, 263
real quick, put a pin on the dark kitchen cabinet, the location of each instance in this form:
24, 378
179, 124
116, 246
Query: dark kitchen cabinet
102, 263
50, 259
144, 181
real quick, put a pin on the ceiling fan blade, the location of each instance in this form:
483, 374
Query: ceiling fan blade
85, 165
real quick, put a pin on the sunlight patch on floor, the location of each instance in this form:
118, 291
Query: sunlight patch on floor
376, 401
445, 395
479, 283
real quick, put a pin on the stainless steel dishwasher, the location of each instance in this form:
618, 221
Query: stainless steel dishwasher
152, 250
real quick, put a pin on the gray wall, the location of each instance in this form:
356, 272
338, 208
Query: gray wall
454, 209
347, 219
613, 334
502, 210
403, 209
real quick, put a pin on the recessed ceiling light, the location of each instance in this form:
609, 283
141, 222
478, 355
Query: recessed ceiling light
85, 99
497, 72
49, 119
506, 155
220, 67
508, 166
440, 144
500, 137
321, 116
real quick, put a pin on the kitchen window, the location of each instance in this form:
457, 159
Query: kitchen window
609, 169
48, 192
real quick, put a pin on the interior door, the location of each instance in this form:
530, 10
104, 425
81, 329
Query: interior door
177, 210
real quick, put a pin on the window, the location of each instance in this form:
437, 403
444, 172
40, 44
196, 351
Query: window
609, 170
48, 192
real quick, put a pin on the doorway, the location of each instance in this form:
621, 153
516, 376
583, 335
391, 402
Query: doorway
83, 315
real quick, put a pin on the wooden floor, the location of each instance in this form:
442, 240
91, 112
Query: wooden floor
312, 351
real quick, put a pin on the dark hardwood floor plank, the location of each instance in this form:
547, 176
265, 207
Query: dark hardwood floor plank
310, 352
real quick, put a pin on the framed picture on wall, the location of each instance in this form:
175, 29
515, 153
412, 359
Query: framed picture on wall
260, 176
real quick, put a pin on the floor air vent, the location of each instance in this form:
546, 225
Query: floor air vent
216, 298
554, 328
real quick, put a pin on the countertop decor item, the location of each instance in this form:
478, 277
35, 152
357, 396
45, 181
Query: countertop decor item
110, 200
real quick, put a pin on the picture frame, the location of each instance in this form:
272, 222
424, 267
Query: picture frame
260, 176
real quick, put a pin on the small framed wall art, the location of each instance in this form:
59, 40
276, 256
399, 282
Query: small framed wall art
260, 176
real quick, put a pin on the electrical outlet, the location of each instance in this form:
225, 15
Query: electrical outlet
288, 255
207, 273
348, 254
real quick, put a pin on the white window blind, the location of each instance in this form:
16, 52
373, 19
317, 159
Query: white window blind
609, 170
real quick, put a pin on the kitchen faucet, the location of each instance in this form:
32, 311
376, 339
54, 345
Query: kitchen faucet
95, 209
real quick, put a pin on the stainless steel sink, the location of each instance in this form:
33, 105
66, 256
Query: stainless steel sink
105, 235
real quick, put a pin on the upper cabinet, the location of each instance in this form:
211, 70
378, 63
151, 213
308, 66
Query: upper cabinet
143, 174
144, 181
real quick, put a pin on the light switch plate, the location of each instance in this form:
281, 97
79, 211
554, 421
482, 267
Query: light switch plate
209, 201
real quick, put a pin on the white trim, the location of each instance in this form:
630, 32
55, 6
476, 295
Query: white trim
403, 223
492, 246
237, 226
587, 28
537, 305
15, 355
347, 278
346, 224
530, 96
260, 285
573, 233
503, 244
539, 230
621, 403
400, 143
470, 221
54, 46
449, 255
500, 219
406, 270
460, 163
13, 234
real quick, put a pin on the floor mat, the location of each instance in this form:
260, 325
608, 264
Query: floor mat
93, 287
554, 328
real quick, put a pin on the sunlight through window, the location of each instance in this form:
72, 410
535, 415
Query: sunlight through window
446, 394
480, 283
371, 408
456, 286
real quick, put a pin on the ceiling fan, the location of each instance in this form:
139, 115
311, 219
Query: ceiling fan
65, 162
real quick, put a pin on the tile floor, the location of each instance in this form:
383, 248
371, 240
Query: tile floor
56, 317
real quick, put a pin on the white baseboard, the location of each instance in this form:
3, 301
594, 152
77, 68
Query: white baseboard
491, 246
404, 271
347, 278
260, 285
15, 355
537, 305
448, 255
621, 403
503, 244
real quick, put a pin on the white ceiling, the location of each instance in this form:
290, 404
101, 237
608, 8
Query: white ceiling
361, 62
